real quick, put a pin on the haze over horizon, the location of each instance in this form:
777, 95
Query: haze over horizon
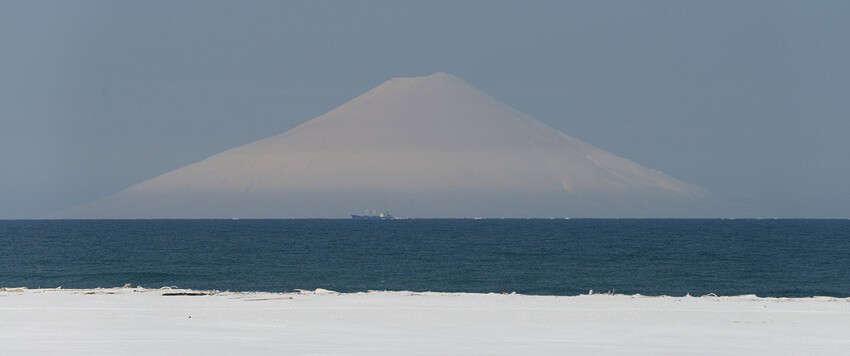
746, 99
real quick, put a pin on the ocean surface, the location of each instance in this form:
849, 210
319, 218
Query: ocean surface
552, 257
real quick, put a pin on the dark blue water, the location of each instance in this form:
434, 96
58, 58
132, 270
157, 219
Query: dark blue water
561, 257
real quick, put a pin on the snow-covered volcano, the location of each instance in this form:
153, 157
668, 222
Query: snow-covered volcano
430, 146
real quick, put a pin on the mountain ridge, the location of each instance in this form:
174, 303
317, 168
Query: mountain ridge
430, 146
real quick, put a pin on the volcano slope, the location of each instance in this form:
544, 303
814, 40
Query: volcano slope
431, 146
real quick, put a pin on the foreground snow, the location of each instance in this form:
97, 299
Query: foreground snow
171, 321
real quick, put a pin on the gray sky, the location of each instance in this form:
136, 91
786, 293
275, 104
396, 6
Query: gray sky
748, 99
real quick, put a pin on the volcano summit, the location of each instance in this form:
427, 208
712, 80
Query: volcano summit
430, 146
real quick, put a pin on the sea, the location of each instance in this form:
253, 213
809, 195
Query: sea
777, 258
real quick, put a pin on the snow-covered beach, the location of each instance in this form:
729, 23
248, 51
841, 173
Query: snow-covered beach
176, 321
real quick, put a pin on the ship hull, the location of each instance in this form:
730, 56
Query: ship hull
371, 217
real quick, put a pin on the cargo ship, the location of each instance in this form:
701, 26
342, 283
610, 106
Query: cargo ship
373, 216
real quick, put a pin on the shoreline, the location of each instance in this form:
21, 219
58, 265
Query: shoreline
186, 321
328, 291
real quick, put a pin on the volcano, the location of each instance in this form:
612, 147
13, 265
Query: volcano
431, 146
